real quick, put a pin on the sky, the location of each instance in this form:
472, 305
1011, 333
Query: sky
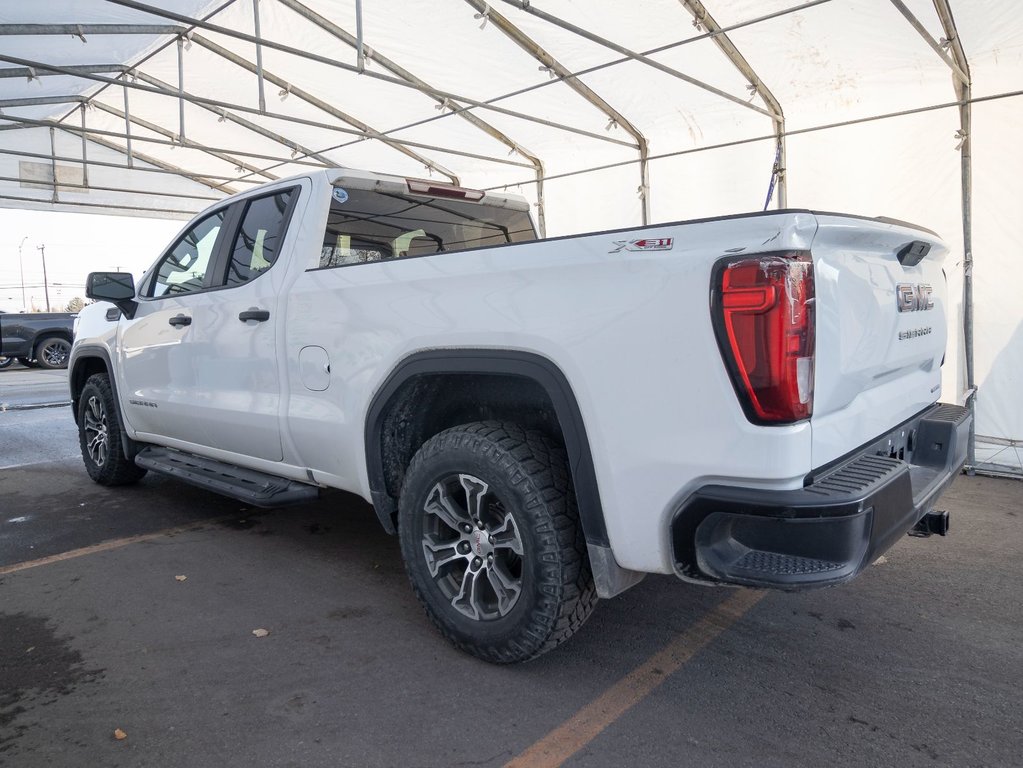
76, 244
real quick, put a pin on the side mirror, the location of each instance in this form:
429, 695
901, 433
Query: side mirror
116, 287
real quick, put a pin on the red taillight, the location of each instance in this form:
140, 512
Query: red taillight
764, 322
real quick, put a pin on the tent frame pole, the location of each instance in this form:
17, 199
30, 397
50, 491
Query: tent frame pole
85, 151
724, 43
181, 89
962, 74
770, 137
170, 141
360, 135
90, 29
106, 206
308, 56
53, 165
221, 110
160, 166
266, 133
127, 29
524, 5
31, 72
553, 80
197, 177
259, 56
615, 118
963, 92
323, 106
127, 128
36, 100
341, 34
489, 103
182, 141
155, 193
360, 60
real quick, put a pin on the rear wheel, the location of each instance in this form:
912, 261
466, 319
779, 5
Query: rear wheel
53, 352
99, 434
6, 362
492, 542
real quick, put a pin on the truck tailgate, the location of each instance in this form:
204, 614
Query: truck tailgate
881, 329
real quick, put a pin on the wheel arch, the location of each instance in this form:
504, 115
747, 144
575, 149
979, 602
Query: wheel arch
88, 360
50, 333
541, 376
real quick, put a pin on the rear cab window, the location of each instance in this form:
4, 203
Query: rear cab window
396, 220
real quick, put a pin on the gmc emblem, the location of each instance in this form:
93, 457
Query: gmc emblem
913, 298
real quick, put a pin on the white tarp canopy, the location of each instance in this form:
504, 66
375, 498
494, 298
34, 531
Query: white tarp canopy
605, 114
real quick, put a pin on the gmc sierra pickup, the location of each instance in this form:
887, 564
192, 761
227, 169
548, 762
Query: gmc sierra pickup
748, 400
36, 339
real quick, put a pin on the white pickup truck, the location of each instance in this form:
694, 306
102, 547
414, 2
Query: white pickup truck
746, 400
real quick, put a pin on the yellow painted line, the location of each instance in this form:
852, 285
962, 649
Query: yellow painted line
106, 546
588, 723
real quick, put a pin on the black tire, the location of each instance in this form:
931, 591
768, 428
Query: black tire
28, 362
6, 362
506, 472
99, 435
53, 352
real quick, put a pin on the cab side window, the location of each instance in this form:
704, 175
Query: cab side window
260, 235
183, 269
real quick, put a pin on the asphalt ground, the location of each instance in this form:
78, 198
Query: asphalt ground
918, 662
26, 388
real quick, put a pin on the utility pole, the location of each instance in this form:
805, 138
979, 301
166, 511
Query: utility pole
46, 285
21, 266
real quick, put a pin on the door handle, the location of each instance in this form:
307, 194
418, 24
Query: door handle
259, 315
179, 320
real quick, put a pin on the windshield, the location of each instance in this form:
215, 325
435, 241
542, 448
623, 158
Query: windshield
366, 226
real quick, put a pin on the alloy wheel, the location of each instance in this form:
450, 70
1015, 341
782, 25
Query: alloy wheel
95, 426
55, 353
473, 548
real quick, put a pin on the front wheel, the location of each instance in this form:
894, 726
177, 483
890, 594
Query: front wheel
53, 352
6, 362
492, 541
99, 434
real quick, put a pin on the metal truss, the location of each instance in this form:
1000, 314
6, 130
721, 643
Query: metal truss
548, 61
331, 62
170, 141
183, 27
81, 30
323, 106
357, 42
224, 114
720, 38
31, 73
127, 83
206, 179
642, 58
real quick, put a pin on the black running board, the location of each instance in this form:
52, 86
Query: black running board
256, 488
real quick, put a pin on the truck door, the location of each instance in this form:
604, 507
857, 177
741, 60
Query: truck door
203, 363
157, 377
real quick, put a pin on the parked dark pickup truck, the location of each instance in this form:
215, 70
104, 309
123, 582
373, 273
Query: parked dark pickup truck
38, 339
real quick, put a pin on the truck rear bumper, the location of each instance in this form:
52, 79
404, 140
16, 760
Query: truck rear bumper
825, 533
